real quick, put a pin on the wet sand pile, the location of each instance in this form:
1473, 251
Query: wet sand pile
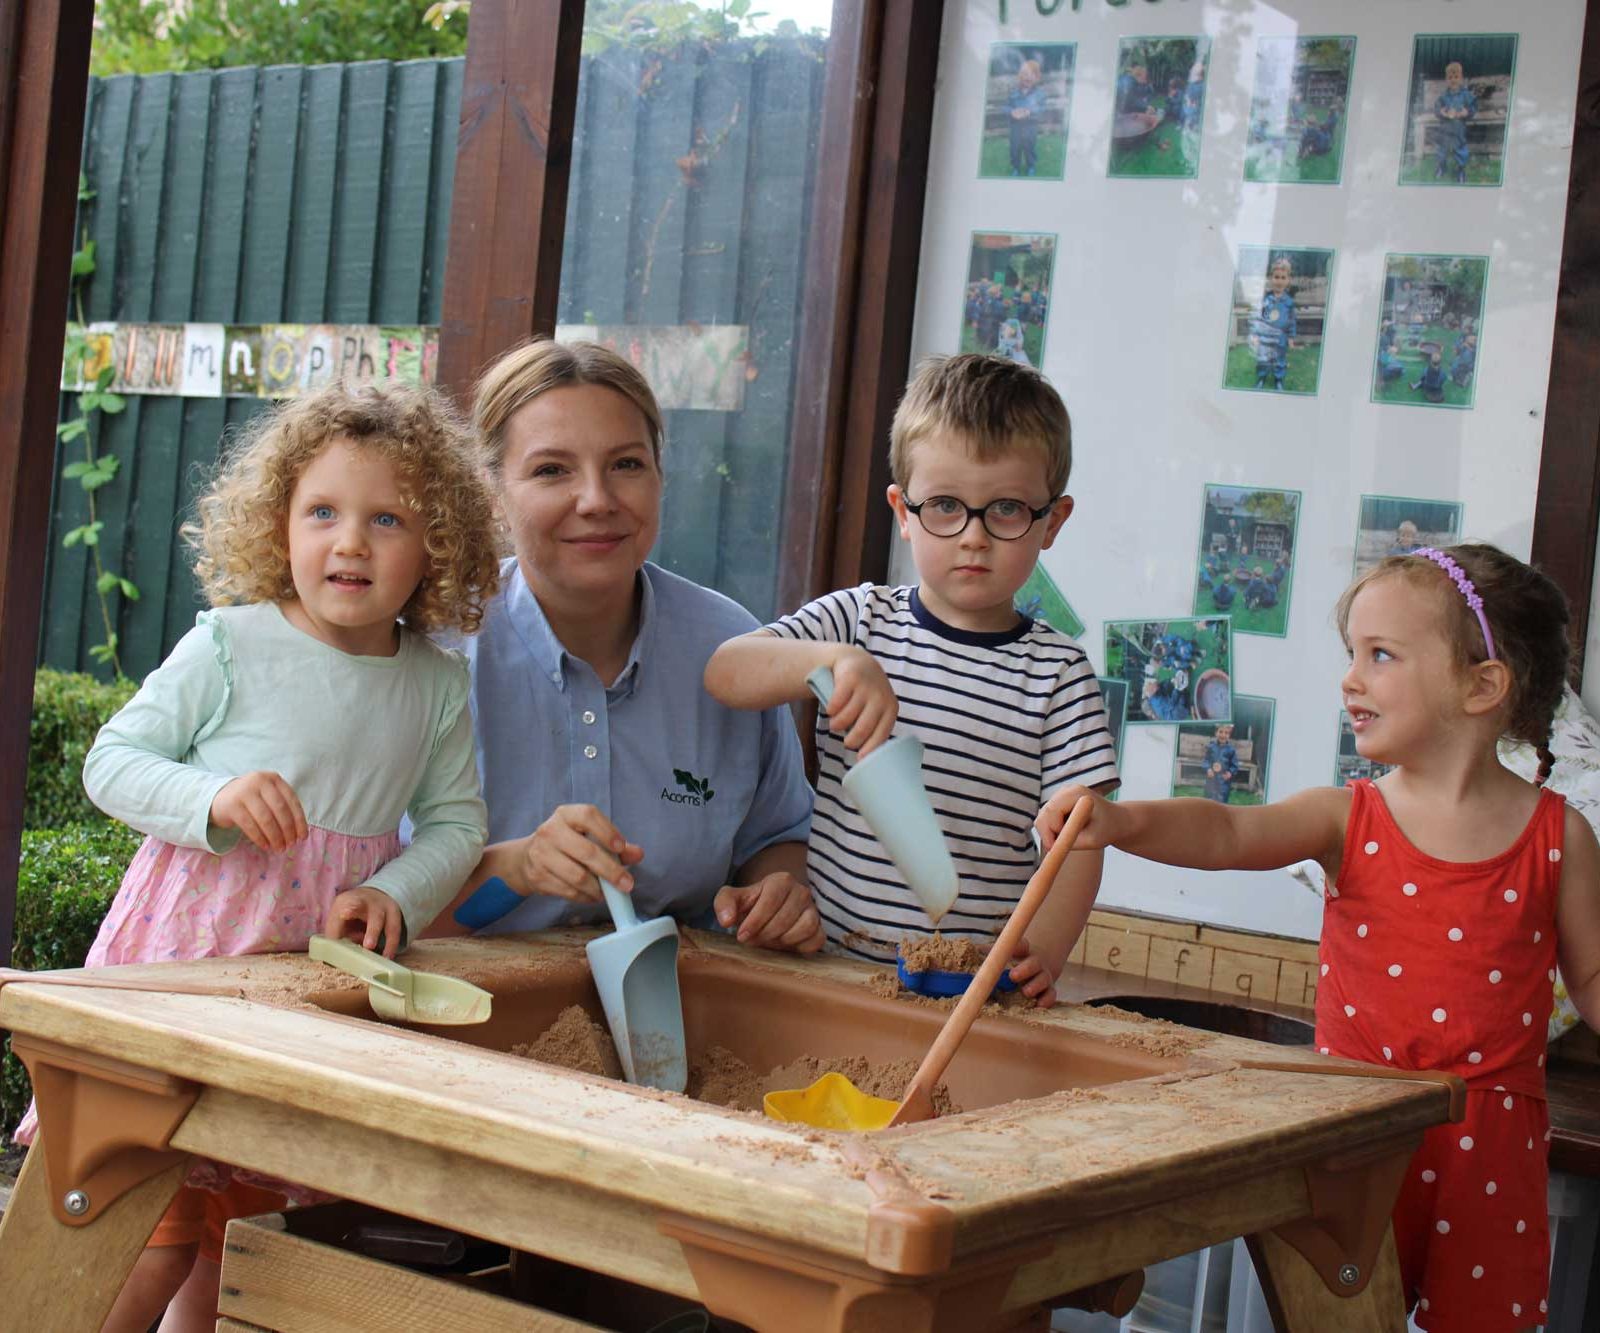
941, 953
723, 1079
578, 1042
574, 1041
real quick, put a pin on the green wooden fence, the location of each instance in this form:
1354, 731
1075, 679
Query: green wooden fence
322, 195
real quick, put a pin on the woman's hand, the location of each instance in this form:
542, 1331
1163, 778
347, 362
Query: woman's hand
1102, 829
776, 912
863, 709
367, 915
569, 854
264, 808
1033, 975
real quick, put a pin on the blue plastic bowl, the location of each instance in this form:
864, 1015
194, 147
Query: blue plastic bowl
942, 985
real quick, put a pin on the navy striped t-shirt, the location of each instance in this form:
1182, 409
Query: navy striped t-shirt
1005, 719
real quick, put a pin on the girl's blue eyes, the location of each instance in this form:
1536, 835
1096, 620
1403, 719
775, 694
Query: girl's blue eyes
323, 513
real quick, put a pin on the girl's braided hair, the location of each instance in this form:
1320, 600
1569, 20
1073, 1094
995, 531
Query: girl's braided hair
1527, 615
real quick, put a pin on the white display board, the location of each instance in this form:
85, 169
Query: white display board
1146, 289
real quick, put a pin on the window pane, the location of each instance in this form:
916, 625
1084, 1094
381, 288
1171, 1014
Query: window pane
687, 215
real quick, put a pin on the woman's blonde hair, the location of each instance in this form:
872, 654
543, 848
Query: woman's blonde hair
536, 367
240, 529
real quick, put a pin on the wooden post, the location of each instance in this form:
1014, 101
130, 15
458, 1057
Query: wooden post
855, 338
44, 73
508, 208
1566, 518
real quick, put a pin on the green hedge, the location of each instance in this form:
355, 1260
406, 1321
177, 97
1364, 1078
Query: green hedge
65, 882
73, 857
68, 710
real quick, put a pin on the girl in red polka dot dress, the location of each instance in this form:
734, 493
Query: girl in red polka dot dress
1454, 887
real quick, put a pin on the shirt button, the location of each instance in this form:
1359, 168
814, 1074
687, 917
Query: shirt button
588, 716
589, 752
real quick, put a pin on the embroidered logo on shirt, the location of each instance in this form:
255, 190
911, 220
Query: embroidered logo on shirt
696, 791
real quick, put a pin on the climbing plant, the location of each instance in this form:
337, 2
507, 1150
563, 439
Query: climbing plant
94, 470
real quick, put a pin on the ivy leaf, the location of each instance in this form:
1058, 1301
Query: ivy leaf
83, 260
71, 430
112, 403
130, 589
104, 378
91, 533
84, 192
102, 652
95, 479
73, 471
106, 582
73, 537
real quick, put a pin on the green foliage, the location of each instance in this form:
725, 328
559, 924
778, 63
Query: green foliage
65, 883
150, 36
650, 25
68, 709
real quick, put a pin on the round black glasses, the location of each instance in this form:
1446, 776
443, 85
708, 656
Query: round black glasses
1004, 520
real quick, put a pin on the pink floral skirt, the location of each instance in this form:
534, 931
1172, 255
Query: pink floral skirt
179, 903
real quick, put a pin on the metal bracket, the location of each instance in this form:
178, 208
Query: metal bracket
105, 1125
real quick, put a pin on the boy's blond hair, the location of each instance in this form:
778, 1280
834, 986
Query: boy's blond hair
997, 406
240, 532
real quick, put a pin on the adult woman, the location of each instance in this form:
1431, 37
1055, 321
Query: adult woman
587, 696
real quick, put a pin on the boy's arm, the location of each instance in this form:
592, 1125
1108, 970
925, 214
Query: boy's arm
1578, 918
1063, 915
762, 670
1207, 836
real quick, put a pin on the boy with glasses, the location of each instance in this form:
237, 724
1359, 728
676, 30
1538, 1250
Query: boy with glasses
1007, 708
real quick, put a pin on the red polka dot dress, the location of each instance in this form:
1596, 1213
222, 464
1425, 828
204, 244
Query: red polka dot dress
1430, 964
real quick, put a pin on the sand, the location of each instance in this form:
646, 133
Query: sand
578, 1042
942, 953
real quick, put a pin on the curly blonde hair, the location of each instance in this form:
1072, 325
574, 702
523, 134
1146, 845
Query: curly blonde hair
240, 530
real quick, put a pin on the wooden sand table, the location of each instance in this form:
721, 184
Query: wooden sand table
1101, 1141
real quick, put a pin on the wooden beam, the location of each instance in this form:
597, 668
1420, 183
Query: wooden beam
862, 255
1567, 509
44, 72
508, 208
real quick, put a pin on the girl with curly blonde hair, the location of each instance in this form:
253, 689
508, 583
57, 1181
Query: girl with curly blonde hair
270, 758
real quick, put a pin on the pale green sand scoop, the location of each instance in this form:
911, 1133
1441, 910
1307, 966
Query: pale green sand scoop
394, 991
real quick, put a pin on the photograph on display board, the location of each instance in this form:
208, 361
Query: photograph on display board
1459, 110
1246, 558
1397, 525
1349, 765
1159, 106
1298, 109
1177, 670
1429, 331
1115, 694
1226, 762
1276, 321
1008, 294
1040, 599
1027, 106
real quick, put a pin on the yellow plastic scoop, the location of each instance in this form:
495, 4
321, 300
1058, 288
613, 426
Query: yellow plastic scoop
834, 1102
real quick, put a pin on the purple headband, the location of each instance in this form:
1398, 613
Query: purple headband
1458, 576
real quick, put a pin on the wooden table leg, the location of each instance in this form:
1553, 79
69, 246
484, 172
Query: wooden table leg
1300, 1302
61, 1277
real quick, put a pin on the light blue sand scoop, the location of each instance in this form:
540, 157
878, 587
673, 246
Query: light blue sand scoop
887, 789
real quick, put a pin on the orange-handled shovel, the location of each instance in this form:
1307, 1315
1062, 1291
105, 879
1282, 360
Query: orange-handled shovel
917, 1103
